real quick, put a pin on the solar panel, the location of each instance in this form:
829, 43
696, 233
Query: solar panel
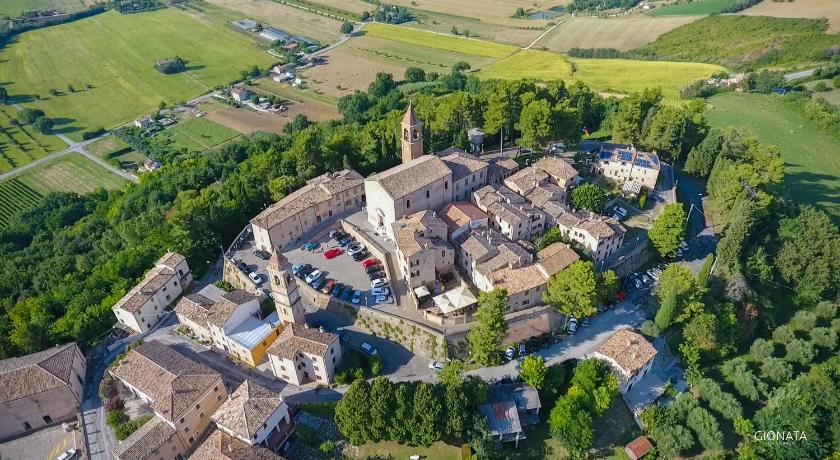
655, 159
625, 156
606, 155
642, 163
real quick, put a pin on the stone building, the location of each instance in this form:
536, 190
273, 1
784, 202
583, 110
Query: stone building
422, 249
144, 305
302, 354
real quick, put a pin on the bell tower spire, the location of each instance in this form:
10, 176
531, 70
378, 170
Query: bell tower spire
284, 288
411, 135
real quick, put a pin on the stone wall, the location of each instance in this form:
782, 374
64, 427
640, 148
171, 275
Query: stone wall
376, 250
237, 278
415, 337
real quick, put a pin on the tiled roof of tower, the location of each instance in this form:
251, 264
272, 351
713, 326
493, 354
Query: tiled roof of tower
36, 373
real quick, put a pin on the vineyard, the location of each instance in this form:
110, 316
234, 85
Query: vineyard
15, 196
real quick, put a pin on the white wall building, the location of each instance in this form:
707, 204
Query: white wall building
302, 354
629, 354
143, 306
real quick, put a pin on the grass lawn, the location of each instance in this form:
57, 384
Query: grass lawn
284, 17
103, 51
608, 75
393, 450
69, 173
13, 8
832, 96
697, 7
439, 41
196, 134
812, 166
622, 33
106, 146
20, 145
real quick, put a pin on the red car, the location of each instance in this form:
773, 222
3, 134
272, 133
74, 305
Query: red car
332, 253
370, 262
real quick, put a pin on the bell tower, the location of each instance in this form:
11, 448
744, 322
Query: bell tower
411, 136
284, 288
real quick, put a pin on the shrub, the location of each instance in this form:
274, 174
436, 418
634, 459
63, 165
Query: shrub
672, 440
327, 447
107, 388
720, 401
706, 427
803, 320
800, 351
825, 310
777, 370
737, 373
835, 82
762, 349
116, 418
114, 403
649, 329
821, 86
375, 365
96, 132
824, 337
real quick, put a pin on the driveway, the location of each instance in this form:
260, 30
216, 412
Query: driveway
99, 437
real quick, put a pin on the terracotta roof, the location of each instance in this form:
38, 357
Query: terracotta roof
516, 280
513, 213
482, 245
640, 159
36, 373
318, 190
499, 169
144, 442
248, 408
628, 349
602, 227
171, 260
298, 338
525, 180
554, 208
461, 213
221, 446
155, 279
638, 447
173, 381
508, 254
419, 231
489, 194
463, 164
555, 258
194, 307
406, 178
556, 168
227, 305
543, 193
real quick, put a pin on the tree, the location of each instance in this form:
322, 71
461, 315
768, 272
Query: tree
799, 351
485, 337
533, 371
721, 402
672, 440
701, 332
589, 196
571, 425
4, 95
381, 85
668, 230
607, 286
352, 413
633, 110
457, 411
428, 415
762, 349
702, 157
381, 407
452, 374
803, 320
824, 337
402, 422
810, 255
43, 125
666, 131
783, 334
346, 27
414, 74
28, 116
731, 247
71, 89
573, 290
549, 237
706, 427
460, 67
776, 369
535, 122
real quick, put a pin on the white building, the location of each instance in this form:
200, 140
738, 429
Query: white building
143, 306
302, 354
462, 217
628, 164
600, 236
422, 249
510, 214
255, 415
629, 354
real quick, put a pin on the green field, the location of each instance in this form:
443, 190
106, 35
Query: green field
13, 8
832, 96
812, 163
390, 449
608, 75
196, 135
697, 7
412, 55
735, 41
20, 145
115, 54
439, 41
105, 147
68, 173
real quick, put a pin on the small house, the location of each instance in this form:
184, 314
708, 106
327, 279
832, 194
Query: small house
638, 448
510, 408
144, 122
240, 94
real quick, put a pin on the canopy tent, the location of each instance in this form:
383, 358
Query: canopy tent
422, 291
454, 300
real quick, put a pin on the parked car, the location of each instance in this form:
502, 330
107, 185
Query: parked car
311, 246
510, 353
636, 282
336, 290
264, 255
244, 267
337, 235
71, 454
375, 275
645, 279
305, 270
313, 275
256, 278
330, 284
347, 293
368, 348
332, 253
346, 241
355, 249
380, 291
522, 350
367, 263
357, 297
360, 255
297, 268
373, 269
436, 366
378, 282
381, 299
319, 283
572, 327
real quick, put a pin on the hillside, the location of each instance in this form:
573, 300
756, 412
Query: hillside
741, 41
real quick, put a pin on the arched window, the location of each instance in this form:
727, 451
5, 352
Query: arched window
415, 134
405, 133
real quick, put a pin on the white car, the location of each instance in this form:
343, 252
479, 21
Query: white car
313, 275
355, 249
380, 291
437, 366
368, 348
256, 278
510, 353
380, 299
572, 327
378, 283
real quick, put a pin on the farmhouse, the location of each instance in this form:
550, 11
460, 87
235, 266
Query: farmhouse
255, 415
302, 354
182, 393
40, 389
144, 122
629, 354
322, 197
143, 306
422, 249
240, 94
628, 164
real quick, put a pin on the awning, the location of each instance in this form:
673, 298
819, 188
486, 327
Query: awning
454, 300
421, 292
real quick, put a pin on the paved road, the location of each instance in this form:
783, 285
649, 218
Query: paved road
99, 438
544, 34
799, 74
338, 43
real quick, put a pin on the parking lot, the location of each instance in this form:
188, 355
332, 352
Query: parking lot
47, 443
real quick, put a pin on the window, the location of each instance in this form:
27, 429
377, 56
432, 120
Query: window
47, 419
201, 415
164, 289
333, 359
191, 440
219, 398
427, 193
187, 430
316, 368
332, 352
167, 299
27, 426
446, 185
181, 421
318, 377
407, 203
282, 368
215, 388
81, 382
198, 406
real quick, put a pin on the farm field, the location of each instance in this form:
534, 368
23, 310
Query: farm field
518, 35
439, 41
124, 83
815, 9
697, 7
20, 145
196, 135
832, 96
624, 33
314, 102
606, 75
286, 18
106, 146
499, 11
352, 6
13, 8
68, 173
812, 166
